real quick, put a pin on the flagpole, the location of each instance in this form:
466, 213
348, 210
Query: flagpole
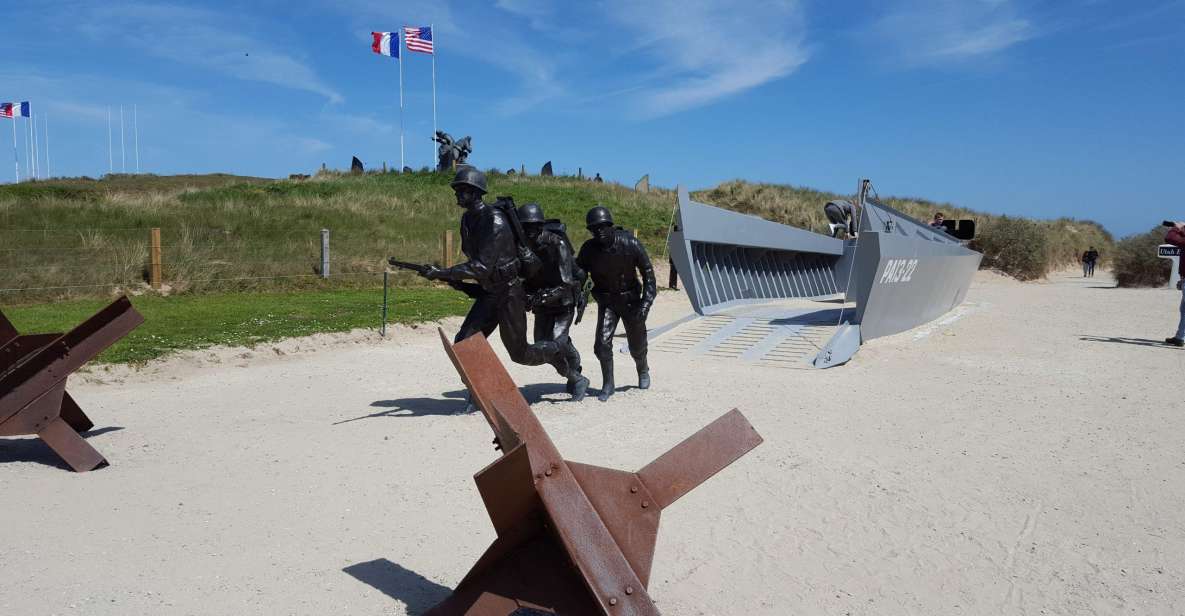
28, 149
36, 154
432, 29
136, 124
110, 156
399, 41
31, 161
16, 159
48, 165
123, 150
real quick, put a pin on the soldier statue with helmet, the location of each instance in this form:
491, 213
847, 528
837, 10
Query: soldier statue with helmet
499, 259
614, 258
555, 288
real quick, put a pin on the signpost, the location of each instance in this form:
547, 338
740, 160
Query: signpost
1173, 253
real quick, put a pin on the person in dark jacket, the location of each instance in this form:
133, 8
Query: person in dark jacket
1089, 258
1176, 237
497, 262
614, 258
553, 291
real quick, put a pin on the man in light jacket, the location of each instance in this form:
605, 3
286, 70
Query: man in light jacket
1176, 237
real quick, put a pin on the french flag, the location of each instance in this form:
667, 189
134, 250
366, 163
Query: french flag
383, 45
14, 110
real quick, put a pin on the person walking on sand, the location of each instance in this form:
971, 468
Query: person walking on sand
1176, 237
1089, 258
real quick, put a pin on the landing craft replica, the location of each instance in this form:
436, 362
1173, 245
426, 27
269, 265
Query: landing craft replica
900, 272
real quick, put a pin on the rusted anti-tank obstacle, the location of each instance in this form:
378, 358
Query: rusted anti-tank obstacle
33, 372
573, 539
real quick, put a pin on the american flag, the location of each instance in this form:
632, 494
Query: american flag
418, 39
14, 110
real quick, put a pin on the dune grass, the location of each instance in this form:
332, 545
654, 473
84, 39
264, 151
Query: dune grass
1136, 263
76, 238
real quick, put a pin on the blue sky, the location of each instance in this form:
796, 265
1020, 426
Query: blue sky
1039, 108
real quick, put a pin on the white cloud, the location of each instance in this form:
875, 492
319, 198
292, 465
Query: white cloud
710, 50
358, 124
925, 32
202, 38
537, 12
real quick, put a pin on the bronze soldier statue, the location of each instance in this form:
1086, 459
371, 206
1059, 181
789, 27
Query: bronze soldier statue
614, 258
498, 261
554, 289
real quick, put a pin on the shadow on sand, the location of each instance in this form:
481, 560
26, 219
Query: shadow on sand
454, 402
33, 450
415, 591
1135, 341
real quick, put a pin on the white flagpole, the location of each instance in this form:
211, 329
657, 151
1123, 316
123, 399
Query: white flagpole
399, 41
28, 150
30, 159
16, 159
36, 154
432, 29
136, 124
123, 150
48, 167
110, 156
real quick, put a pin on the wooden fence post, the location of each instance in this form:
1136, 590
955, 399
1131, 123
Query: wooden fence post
325, 253
447, 244
154, 273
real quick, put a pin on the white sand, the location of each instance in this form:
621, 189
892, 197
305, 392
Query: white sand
1004, 462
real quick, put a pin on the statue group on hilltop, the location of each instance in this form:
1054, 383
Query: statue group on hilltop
520, 260
451, 152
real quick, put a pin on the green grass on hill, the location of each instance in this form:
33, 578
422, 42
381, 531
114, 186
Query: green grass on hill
241, 319
216, 232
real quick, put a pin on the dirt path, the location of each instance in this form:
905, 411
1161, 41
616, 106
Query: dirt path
1022, 457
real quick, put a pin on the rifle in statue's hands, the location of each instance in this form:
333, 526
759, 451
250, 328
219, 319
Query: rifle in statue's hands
473, 290
581, 301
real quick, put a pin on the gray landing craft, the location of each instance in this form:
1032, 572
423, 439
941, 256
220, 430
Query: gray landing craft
900, 272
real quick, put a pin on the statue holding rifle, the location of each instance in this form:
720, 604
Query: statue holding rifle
451, 151
499, 259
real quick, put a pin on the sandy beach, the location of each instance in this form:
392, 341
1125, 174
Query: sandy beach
1024, 456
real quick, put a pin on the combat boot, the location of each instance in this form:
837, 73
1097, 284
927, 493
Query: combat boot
607, 379
578, 386
643, 374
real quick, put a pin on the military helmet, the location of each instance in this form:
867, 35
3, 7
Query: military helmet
599, 215
470, 176
531, 213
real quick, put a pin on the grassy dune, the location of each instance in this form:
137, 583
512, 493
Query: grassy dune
79, 238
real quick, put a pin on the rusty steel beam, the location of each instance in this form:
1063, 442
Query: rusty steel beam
573, 539
33, 373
